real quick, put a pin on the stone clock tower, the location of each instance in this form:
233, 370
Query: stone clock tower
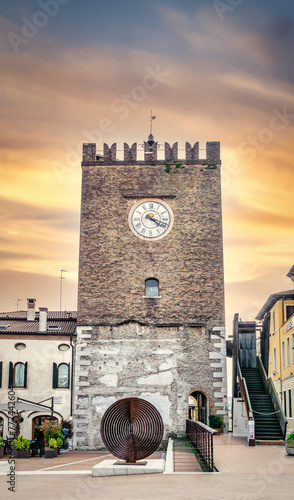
151, 286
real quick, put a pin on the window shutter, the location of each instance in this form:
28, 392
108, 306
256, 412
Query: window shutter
55, 376
26, 374
0, 374
10, 378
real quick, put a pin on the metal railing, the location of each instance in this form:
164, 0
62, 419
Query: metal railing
271, 390
246, 399
201, 438
244, 393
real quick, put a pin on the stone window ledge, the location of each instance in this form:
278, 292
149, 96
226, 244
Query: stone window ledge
148, 297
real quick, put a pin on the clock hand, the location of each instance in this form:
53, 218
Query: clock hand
158, 222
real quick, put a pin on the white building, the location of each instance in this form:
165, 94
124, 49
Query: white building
36, 361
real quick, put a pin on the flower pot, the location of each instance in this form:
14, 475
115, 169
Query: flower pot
50, 453
1, 452
289, 444
22, 453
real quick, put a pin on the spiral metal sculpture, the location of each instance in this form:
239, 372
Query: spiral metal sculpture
131, 429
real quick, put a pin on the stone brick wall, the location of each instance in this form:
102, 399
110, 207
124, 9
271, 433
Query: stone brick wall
114, 263
160, 364
160, 349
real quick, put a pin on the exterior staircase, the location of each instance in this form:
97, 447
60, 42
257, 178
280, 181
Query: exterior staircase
267, 427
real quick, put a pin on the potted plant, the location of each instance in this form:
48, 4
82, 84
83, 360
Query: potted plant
53, 435
59, 441
53, 448
21, 446
216, 422
2, 445
289, 444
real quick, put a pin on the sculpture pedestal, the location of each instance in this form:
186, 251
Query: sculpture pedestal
108, 468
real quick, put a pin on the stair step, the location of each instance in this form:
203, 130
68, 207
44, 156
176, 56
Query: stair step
267, 427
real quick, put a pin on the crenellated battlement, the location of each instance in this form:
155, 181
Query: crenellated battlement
150, 148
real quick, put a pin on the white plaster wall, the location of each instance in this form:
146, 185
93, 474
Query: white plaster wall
40, 355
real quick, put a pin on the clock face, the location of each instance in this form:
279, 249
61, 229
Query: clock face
151, 219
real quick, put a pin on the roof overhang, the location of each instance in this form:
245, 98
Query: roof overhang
273, 298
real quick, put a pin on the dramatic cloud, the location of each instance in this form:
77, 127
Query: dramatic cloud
83, 78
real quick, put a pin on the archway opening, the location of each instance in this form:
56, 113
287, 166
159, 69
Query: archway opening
198, 407
38, 435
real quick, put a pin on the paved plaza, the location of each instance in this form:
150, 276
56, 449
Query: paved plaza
245, 473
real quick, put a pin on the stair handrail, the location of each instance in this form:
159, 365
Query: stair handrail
271, 390
244, 393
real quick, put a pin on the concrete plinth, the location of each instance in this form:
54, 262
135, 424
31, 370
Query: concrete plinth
107, 468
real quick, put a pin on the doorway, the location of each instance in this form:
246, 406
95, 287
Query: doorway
198, 407
36, 422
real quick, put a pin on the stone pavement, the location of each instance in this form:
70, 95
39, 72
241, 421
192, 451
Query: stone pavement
245, 473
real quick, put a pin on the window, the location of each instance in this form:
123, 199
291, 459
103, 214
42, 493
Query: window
288, 351
60, 376
53, 328
274, 321
18, 375
292, 348
20, 346
63, 347
285, 403
275, 359
290, 403
289, 311
152, 288
283, 354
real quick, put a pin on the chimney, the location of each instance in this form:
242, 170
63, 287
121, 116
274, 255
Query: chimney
43, 319
31, 309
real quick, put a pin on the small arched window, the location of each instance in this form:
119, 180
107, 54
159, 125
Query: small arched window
19, 375
152, 288
60, 376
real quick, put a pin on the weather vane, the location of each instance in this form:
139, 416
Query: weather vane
152, 117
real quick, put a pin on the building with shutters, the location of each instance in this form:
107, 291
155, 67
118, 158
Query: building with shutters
36, 361
277, 315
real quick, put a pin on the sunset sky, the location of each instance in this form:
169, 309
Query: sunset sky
74, 72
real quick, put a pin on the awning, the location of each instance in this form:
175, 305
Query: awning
21, 406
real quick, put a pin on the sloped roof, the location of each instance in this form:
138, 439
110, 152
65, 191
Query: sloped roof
16, 322
273, 298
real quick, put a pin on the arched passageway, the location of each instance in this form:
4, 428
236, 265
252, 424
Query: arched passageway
198, 407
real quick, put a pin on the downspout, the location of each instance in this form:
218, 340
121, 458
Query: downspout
280, 346
72, 374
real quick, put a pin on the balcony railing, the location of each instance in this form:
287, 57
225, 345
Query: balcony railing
201, 438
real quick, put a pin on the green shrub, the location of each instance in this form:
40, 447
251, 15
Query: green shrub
215, 421
21, 443
290, 437
53, 444
59, 441
2, 442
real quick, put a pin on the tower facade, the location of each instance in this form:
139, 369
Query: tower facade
151, 286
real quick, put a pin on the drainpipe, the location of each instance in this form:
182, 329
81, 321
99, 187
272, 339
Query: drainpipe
281, 366
72, 374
